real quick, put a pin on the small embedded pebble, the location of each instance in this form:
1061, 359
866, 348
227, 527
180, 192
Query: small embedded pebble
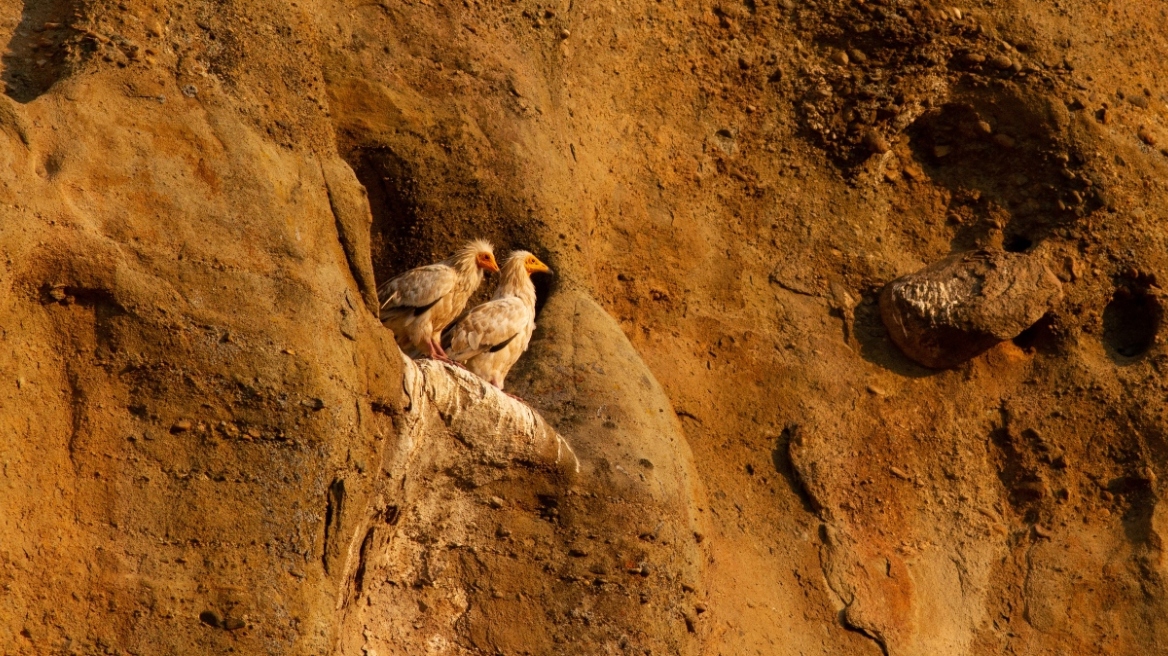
190, 91
565, 33
1001, 61
1105, 116
577, 553
495, 502
840, 57
181, 426
973, 58
233, 623
1146, 136
1003, 140
858, 56
985, 128
941, 151
876, 142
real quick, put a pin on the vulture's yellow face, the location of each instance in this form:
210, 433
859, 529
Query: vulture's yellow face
487, 262
533, 265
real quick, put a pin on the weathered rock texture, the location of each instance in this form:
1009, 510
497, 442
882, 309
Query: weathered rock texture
210, 444
954, 309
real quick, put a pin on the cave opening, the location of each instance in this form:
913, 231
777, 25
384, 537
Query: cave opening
407, 233
1018, 244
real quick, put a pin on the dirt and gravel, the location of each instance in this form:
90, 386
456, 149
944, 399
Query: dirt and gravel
209, 441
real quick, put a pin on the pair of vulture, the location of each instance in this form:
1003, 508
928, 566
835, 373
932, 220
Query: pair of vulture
419, 304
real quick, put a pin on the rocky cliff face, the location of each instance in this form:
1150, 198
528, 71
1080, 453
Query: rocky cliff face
211, 445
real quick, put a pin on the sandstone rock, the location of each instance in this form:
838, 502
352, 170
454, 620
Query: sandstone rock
581, 371
950, 311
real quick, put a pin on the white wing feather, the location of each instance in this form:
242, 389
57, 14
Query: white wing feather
488, 326
418, 287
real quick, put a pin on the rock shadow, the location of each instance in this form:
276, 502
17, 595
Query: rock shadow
36, 56
876, 346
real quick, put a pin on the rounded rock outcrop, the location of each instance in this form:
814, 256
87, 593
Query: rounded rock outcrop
964, 304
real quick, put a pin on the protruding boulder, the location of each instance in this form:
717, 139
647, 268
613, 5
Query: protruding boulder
957, 308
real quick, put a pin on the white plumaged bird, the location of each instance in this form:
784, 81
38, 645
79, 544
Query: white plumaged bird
493, 335
420, 303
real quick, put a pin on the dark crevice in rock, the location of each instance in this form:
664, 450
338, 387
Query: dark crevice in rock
362, 561
334, 506
1130, 323
785, 467
1018, 244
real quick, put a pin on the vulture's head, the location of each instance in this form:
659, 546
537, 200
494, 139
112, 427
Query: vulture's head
484, 255
531, 263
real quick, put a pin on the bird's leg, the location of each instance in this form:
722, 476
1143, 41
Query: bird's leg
436, 352
439, 353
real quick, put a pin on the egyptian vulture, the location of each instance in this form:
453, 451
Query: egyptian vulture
493, 335
420, 303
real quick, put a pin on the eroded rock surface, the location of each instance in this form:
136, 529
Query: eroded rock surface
205, 428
